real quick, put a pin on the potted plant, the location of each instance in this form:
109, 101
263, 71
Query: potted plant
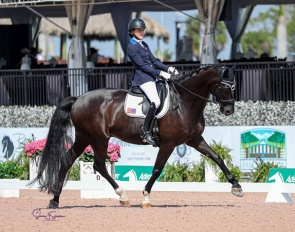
87, 158
33, 150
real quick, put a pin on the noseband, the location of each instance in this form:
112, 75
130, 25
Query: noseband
227, 84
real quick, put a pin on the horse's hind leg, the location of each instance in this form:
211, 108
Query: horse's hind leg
201, 145
100, 154
75, 151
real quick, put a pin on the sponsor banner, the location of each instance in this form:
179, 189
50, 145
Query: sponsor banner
248, 146
145, 155
134, 173
281, 175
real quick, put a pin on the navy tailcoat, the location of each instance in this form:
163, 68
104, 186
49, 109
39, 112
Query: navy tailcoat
147, 67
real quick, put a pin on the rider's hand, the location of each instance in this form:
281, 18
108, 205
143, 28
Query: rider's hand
165, 75
173, 70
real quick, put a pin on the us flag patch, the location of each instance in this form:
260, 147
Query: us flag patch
131, 110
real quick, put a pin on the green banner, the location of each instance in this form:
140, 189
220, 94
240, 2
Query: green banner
285, 175
133, 173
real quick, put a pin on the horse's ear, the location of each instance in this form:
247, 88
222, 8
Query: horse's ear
226, 73
234, 67
223, 72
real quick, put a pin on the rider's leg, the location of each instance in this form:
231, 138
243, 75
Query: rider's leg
151, 92
147, 126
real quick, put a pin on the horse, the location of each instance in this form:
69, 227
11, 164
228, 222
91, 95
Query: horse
98, 115
8, 147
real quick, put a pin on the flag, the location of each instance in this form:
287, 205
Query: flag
131, 110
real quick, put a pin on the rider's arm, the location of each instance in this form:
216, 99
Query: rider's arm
158, 64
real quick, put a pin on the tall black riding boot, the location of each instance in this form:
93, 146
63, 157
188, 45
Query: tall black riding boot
147, 126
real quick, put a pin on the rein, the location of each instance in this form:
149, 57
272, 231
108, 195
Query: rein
215, 102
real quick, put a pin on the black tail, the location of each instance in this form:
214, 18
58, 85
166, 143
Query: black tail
54, 159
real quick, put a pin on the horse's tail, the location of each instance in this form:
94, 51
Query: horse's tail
55, 160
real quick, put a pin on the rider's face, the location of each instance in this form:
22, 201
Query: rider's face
139, 33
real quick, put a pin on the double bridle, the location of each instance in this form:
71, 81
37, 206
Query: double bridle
229, 84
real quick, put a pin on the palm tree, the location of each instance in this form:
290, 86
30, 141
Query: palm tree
282, 34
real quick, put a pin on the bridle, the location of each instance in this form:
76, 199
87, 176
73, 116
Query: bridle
222, 81
227, 84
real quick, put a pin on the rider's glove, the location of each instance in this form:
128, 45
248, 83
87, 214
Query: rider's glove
165, 75
173, 70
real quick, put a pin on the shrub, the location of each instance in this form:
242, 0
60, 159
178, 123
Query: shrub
74, 172
8, 170
260, 172
189, 172
176, 172
197, 173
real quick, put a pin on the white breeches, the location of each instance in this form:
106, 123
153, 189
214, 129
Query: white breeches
149, 88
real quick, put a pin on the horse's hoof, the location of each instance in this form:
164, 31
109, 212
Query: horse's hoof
125, 204
53, 204
237, 192
146, 205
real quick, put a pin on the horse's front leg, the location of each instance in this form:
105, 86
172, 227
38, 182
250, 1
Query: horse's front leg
201, 145
162, 157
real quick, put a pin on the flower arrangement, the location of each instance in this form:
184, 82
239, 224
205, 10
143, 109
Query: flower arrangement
113, 153
33, 149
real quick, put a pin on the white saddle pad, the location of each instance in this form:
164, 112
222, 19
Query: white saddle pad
133, 106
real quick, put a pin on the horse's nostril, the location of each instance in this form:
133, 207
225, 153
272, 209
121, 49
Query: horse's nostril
228, 112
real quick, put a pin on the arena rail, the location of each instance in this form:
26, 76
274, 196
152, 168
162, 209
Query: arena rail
256, 81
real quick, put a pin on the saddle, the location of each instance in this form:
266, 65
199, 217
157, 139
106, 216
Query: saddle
137, 104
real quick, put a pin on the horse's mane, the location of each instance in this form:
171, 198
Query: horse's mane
181, 79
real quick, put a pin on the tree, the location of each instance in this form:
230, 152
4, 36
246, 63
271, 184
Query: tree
290, 16
193, 30
261, 32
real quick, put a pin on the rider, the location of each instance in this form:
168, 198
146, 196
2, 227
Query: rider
147, 70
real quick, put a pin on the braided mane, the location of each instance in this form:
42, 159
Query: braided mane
181, 79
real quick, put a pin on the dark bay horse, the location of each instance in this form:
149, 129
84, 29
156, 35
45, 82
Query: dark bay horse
98, 115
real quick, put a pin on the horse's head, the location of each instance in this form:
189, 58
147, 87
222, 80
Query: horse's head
224, 90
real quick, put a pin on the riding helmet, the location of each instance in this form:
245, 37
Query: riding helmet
136, 23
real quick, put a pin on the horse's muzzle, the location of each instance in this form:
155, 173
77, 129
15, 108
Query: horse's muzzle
227, 107
227, 110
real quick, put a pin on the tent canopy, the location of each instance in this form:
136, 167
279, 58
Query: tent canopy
57, 9
101, 27
78, 12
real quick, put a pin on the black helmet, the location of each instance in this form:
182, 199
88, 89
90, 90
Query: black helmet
136, 23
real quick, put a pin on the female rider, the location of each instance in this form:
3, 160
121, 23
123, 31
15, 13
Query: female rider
147, 70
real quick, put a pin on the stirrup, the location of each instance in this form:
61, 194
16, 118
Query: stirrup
148, 138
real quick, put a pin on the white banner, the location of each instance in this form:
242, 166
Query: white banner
13, 138
248, 144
